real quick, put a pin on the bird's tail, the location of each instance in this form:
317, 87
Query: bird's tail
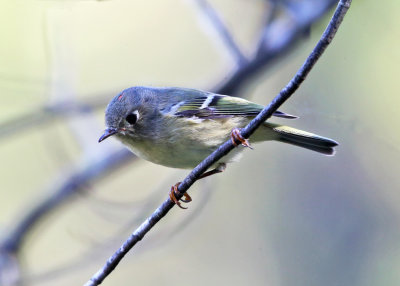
303, 139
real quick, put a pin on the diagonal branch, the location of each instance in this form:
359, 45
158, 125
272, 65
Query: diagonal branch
225, 148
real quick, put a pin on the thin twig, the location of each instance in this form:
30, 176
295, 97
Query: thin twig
225, 148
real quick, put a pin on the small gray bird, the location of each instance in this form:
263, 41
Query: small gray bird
179, 127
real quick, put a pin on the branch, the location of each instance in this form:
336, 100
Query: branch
225, 148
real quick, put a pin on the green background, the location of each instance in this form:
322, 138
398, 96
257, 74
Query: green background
282, 216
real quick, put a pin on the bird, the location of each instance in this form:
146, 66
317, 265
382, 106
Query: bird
179, 127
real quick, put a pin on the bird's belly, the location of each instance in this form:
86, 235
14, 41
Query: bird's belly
186, 147
176, 156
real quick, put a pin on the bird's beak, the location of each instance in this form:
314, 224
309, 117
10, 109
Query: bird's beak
107, 133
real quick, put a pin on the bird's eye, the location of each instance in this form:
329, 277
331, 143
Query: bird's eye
131, 118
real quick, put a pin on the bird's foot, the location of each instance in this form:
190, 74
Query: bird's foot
236, 137
174, 191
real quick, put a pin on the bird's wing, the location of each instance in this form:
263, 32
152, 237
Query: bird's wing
212, 106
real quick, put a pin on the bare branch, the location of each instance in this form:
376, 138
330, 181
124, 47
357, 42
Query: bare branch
225, 148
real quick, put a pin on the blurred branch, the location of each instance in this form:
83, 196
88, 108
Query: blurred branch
60, 193
279, 36
43, 115
225, 148
72, 184
223, 31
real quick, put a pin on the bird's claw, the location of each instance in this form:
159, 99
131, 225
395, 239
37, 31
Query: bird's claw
236, 137
173, 191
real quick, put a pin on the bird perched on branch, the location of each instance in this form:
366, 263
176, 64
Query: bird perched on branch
179, 127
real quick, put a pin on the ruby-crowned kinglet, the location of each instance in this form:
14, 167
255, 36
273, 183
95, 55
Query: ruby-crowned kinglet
179, 127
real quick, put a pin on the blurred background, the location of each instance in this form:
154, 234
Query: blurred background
282, 216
